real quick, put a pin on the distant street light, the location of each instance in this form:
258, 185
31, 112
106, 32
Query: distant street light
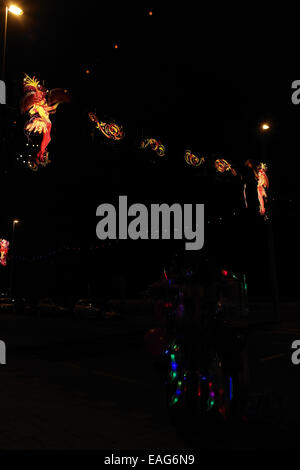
15, 11
265, 126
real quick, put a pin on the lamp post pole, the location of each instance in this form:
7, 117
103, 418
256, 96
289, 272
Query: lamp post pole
4, 43
12, 264
270, 242
15, 11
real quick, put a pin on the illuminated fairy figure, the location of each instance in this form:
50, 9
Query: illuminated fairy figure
260, 173
262, 186
4, 245
40, 103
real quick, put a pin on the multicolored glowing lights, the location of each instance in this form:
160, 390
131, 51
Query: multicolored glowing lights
4, 246
192, 159
112, 130
155, 145
176, 380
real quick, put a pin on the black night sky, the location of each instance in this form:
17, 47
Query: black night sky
180, 76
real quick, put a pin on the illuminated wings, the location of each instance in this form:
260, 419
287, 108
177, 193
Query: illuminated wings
58, 96
4, 246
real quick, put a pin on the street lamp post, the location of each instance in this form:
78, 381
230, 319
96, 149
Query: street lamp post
15, 11
12, 264
265, 128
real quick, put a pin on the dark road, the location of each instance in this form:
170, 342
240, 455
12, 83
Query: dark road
106, 393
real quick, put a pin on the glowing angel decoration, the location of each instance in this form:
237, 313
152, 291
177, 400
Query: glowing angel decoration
260, 173
262, 186
155, 145
40, 103
222, 165
192, 159
4, 246
110, 130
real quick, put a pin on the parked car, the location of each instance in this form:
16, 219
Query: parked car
47, 306
7, 305
87, 308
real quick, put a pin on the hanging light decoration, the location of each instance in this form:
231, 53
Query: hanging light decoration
192, 159
155, 145
40, 103
4, 246
260, 174
262, 186
222, 166
112, 130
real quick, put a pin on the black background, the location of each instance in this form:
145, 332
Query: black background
195, 78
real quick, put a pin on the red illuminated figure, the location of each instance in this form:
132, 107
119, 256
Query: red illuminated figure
260, 173
40, 103
155, 145
4, 245
110, 130
262, 186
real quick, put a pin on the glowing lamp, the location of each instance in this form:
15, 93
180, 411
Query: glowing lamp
15, 10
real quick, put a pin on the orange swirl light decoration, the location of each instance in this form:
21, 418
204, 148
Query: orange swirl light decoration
4, 245
222, 165
192, 159
111, 130
155, 145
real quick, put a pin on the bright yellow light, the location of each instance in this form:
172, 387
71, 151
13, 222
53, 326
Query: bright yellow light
265, 126
15, 10
16, 221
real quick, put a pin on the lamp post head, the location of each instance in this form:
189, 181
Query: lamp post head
15, 10
265, 127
